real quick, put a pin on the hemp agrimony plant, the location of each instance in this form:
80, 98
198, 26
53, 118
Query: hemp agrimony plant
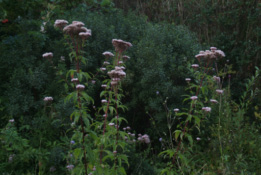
200, 105
96, 145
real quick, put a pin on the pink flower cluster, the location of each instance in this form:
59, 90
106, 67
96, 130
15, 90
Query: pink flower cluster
108, 54
48, 55
60, 23
213, 53
47, 99
144, 138
75, 29
116, 75
120, 45
80, 87
206, 109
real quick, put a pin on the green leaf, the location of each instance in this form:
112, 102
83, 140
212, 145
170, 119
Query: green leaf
177, 133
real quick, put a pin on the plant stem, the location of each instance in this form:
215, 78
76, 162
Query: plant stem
190, 113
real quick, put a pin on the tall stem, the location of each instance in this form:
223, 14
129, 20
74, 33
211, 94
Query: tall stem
104, 126
190, 113
80, 106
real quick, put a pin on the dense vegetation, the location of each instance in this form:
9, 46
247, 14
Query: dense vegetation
67, 135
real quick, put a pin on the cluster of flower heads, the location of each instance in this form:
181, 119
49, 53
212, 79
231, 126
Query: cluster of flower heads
206, 109
80, 87
75, 29
48, 55
108, 54
144, 138
120, 45
116, 75
213, 53
217, 79
47, 99
70, 167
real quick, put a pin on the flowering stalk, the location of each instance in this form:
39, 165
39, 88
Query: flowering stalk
207, 56
78, 34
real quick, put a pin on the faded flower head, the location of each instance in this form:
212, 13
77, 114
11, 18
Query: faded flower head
70, 167
104, 101
176, 110
74, 80
198, 139
111, 124
195, 66
47, 99
48, 55
213, 53
76, 28
213, 101
60, 23
80, 87
11, 121
219, 91
106, 63
108, 54
188, 80
116, 75
85, 35
120, 45
217, 79
11, 157
206, 109
125, 57
194, 98
103, 69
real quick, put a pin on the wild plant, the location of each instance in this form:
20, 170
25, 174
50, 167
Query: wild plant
201, 101
97, 145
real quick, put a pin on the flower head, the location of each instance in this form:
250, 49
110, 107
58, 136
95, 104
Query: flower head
47, 99
120, 45
213, 53
76, 28
103, 69
104, 101
11, 120
206, 109
60, 23
48, 55
188, 80
194, 98
85, 35
80, 87
219, 91
74, 80
106, 63
217, 79
195, 66
213, 101
70, 167
111, 124
108, 54
176, 110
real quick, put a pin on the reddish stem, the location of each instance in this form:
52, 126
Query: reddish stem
104, 126
80, 106
190, 113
